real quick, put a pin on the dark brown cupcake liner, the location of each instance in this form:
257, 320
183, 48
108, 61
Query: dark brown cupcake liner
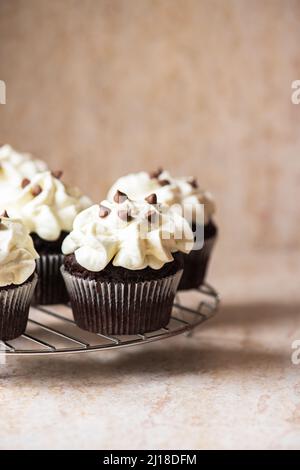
196, 265
14, 309
117, 308
50, 288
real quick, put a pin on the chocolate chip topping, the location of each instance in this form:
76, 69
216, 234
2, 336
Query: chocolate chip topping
4, 214
104, 211
151, 199
151, 216
120, 197
25, 182
57, 174
155, 174
36, 190
125, 215
193, 182
164, 182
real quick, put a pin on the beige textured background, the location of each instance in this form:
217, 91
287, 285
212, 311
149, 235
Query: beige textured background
103, 87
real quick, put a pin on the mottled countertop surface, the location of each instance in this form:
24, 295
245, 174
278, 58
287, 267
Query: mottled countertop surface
231, 385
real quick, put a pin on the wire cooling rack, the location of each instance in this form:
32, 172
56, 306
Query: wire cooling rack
51, 330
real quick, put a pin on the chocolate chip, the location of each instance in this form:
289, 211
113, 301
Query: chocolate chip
4, 214
155, 174
25, 182
57, 174
151, 216
193, 182
120, 197
151, 199
125, 215
164, 182
104, 211
36, 190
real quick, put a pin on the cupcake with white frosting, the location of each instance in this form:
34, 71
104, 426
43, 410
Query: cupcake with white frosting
48, 208
17, 276
183, 195
14, 167
123, 264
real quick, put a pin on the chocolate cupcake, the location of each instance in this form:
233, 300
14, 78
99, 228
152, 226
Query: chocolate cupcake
183, 196
17, 277
48, 208
123, 265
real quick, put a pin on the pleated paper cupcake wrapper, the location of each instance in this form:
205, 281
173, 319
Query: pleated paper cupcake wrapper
117, 308
14, 309
50, 288
196, 265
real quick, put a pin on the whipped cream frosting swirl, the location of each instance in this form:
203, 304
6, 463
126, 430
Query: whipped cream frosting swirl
14, 167
131, 234
181, 194
17, 253
47, 206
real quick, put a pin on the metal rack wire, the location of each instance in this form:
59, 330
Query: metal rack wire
52, 330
